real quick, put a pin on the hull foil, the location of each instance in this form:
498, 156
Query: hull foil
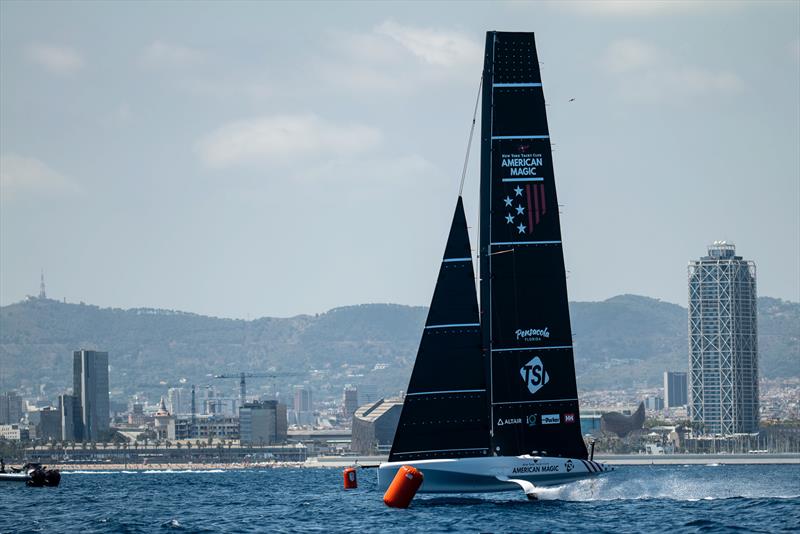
495, 473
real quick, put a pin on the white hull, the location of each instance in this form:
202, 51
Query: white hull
14, 477
495, 473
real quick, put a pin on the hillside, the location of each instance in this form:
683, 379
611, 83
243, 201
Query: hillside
621, 342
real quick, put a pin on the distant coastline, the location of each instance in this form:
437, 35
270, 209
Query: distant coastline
373, 461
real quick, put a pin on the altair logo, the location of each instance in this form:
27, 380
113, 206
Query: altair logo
515, 421
534, 375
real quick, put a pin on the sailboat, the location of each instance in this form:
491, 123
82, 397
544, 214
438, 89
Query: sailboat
492, 402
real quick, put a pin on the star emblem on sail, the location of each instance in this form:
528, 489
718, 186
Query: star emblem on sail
531, 209
534, 375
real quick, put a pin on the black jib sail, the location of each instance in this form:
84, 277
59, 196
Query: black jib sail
445, 410
525, 315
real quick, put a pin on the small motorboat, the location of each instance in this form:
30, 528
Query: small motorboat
32, 474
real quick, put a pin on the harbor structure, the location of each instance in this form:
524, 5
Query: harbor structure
90, 386
723, 345
675, 389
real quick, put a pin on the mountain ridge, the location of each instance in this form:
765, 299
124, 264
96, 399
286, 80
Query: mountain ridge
621, 342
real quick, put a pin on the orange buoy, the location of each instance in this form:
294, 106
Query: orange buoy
403, 488
350, 481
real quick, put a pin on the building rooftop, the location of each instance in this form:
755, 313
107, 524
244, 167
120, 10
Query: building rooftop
371, 412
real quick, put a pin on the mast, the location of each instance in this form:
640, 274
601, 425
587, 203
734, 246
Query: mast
485, 219
527, 338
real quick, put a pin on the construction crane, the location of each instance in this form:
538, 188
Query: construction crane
243, 385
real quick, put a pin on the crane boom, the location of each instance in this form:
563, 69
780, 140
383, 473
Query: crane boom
243, 385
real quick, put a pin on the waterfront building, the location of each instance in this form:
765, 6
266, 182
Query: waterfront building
161, 421
136, 416
374, 426
653, 404
262, 422
70, 409
15, 432
46, 424
303, 406
723, 347
675, 389
179, 401
10, 408
350, 395
202, 427
90, 386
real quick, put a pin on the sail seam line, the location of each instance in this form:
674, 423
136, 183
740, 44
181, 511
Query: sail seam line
451, 325
536, 401
446, 391
516, 85
527, 243
554, 347
494, 137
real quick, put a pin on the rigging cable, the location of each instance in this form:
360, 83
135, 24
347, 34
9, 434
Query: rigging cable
471, 132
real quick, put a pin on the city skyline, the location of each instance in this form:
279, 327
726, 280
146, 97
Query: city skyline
149, 138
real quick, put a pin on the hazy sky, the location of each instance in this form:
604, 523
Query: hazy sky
261, 158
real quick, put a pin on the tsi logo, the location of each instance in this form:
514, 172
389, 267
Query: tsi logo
534, 375
551, 419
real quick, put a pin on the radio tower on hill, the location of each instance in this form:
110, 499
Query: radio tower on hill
42, 293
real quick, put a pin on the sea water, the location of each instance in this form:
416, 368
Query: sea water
688, 498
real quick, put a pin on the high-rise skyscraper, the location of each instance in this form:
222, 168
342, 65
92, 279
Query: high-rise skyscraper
303, 405
71, 427
10, 408
723, 347
90, 386
675, 389
302, 399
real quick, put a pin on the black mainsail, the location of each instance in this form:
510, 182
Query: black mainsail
500, 381
524, 310
444, 414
